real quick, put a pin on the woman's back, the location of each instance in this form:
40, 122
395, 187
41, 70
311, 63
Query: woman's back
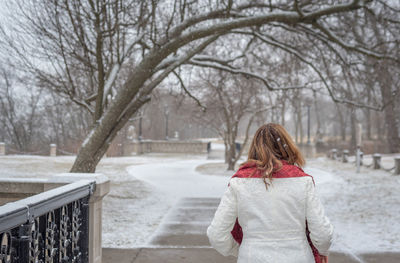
274, 220
278, 209
269, 206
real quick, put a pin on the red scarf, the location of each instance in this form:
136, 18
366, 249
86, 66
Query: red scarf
249, 170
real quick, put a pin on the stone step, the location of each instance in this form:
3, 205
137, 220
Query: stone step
180, 240
164, 255
209, 255
191, 214
185, 228
211, 202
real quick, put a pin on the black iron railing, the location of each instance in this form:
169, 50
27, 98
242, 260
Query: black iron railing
49, 227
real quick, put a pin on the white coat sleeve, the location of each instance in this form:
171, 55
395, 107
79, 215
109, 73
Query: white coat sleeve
321, 230
219, 232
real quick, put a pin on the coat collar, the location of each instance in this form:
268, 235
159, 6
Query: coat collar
250, 170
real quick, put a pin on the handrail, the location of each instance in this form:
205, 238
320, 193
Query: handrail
17, 213
52, 226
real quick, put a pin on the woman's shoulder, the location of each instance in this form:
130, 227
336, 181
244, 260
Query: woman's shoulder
247, 170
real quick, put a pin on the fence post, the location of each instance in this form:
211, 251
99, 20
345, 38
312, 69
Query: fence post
345, 156
24, 240
53, 150
334, 154
2, 148
397, 165
377, 161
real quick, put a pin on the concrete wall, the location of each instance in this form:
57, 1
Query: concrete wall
308, 151
148, 146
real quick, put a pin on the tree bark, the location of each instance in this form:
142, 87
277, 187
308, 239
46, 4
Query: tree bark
231, 156
392, 128
353, 119
118, 113
342, 122
368, 117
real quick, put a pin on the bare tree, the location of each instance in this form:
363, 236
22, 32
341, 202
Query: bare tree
81, 46
162, 36
65, 123
231, 101
20, 117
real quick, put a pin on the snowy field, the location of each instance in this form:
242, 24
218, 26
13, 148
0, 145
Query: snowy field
364, 207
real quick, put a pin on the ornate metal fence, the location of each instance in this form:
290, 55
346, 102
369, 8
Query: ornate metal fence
49, 227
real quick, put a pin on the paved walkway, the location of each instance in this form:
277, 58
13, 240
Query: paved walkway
181, 239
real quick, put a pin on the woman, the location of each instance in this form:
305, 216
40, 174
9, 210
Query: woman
278, 215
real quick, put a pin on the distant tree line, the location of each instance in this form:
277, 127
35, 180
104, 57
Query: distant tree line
108, 57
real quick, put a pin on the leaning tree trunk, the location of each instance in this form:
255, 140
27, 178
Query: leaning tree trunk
99, 139
118, 114
128, 100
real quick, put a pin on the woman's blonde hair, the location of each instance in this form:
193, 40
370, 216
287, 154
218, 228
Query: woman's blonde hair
271, 144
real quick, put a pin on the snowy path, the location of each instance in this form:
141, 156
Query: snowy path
167, 182
141, 196
363, 207
179, 179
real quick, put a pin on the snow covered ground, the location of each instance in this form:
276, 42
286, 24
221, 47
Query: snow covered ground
364, 207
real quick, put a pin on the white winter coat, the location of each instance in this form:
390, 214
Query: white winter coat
273, 221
